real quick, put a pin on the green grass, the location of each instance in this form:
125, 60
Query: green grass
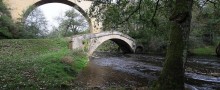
207, 50
37, 64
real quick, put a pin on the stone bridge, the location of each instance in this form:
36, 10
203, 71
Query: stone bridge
20, 9
91, 42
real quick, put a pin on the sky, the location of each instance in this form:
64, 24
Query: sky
53, 10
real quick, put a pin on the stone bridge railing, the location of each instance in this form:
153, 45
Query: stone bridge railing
101, 34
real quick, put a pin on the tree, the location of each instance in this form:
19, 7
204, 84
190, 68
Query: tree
7, 29
72, 23
172, 76
35, 25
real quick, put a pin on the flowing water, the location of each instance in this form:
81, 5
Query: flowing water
138, 71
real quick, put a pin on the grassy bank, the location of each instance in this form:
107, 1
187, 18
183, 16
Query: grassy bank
38, 64
204, 51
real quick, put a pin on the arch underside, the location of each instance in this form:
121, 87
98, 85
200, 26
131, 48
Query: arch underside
123, 44
139, 49
125, 47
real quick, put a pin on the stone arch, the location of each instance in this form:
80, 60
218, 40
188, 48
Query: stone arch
66, 2
126, 45
139, 49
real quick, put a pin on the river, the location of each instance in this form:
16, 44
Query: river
139, 71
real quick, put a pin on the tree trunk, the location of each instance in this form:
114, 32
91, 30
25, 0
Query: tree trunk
172, 75
217, 50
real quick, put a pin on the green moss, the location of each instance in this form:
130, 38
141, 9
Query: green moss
86, 45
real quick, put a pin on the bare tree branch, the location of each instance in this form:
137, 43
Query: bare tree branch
138, 7
155, 12
208, 1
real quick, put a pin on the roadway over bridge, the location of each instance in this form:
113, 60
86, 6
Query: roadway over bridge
92, 41
20, 9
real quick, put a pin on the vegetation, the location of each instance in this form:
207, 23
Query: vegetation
29, 64
7, 28
204, 27
172, 75
38, 63
204, 51
148, 20
71, 23
35, 25
135, 19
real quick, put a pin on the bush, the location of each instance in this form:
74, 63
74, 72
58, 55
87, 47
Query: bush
6, 23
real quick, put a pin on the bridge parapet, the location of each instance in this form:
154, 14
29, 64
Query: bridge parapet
106, 33
101, 34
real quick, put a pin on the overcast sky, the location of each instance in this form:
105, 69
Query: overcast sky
53, 10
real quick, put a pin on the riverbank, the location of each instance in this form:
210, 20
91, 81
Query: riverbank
38, 64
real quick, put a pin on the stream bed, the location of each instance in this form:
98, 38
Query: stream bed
139, 71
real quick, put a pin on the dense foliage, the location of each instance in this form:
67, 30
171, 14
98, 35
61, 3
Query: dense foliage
6, 24
148, 21
205, 24
138, 19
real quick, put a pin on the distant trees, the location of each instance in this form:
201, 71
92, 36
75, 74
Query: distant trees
71, 23
35, 25
206, 22
7, 27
